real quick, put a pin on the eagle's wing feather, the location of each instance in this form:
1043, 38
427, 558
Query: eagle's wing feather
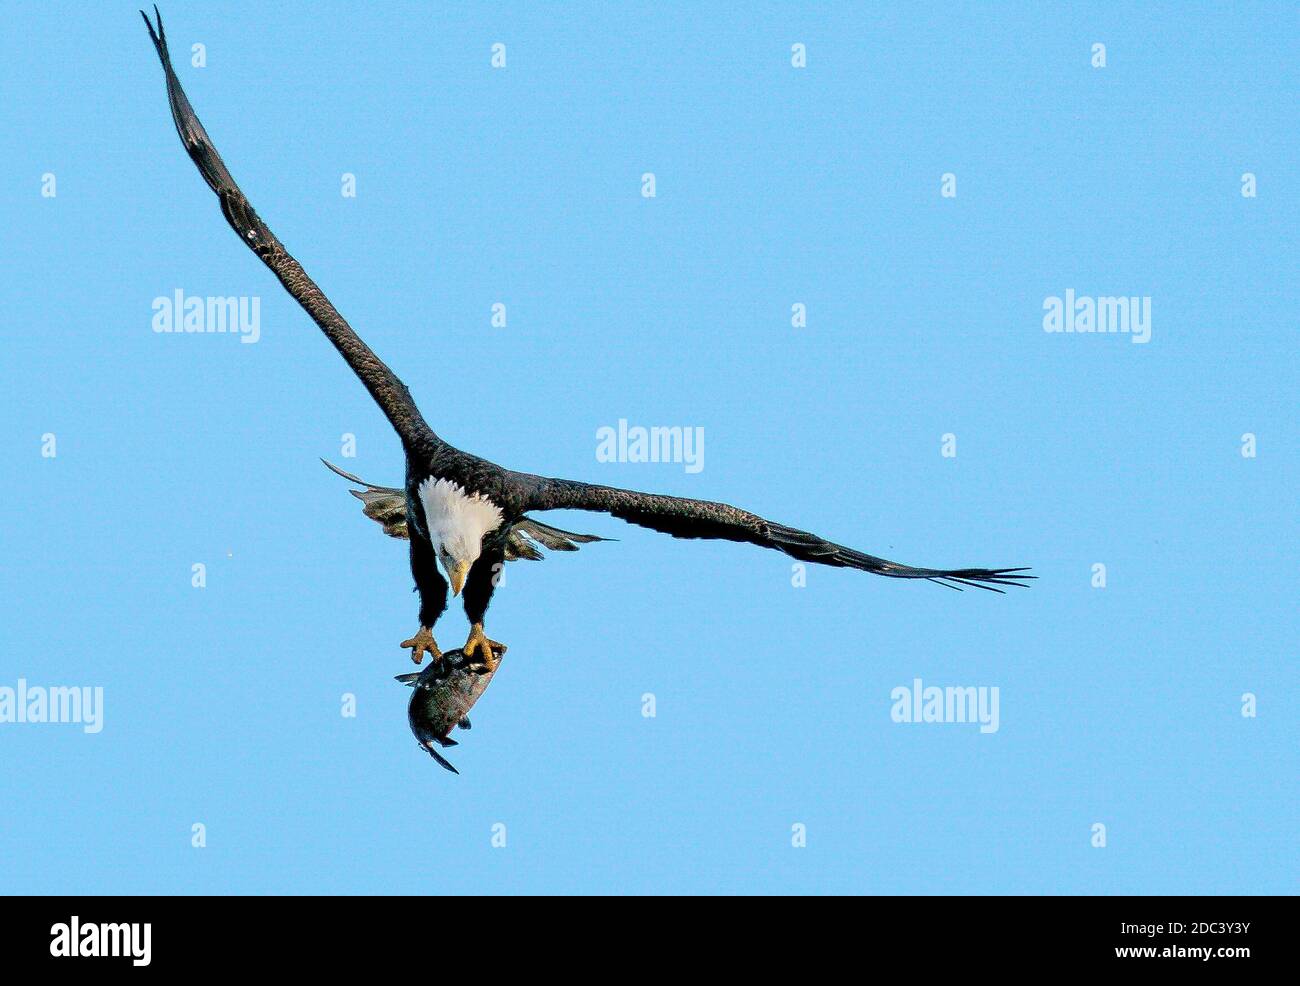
552, 537
685, 518
387, 390
528, 532
382, 504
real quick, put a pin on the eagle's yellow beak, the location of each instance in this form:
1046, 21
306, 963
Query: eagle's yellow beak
458, 577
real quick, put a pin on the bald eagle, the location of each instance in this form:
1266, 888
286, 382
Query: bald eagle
466, 515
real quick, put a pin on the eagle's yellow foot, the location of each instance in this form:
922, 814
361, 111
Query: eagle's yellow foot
491, 651
422, 642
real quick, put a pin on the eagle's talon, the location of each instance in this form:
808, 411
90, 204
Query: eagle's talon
421, 643
478, 641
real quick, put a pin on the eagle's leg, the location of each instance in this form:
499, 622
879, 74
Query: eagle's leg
421, 644
479, 586
478, 642
432, 588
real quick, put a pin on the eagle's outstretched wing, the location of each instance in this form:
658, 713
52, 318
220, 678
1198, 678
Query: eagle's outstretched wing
386, 505
684, 518
389, 392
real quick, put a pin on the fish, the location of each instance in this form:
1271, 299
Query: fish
443, 693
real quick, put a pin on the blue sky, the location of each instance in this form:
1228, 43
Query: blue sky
774, 186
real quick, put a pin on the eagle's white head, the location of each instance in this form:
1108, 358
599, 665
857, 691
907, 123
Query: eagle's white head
457, 522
